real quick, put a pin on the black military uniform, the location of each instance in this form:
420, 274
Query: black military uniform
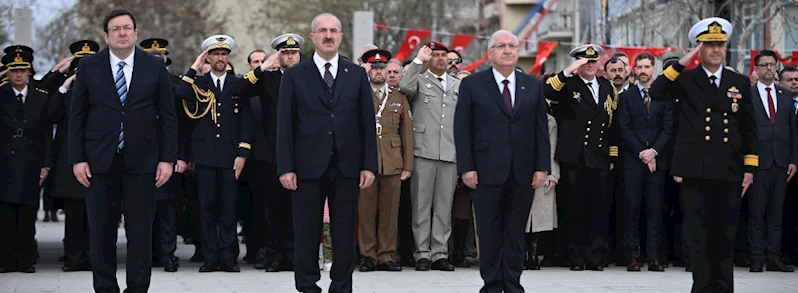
279, 240
63, 183
222, 133
716, 143
50, 82
587, 146
26, 137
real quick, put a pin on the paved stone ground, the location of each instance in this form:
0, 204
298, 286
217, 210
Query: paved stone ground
49, 277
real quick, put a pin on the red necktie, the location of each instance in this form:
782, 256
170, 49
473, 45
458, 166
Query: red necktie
507, 99
771, 107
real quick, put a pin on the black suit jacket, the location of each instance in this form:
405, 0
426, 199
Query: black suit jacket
309, 129
96, 113
589, 133
490, 140
263, 87
713, 141
217, 143
641, 130
778, 143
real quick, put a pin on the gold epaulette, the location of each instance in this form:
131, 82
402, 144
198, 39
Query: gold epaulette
43, 91
556, 83
202, 97
187, 79
244, 145
613, 151
751, 160
250, 76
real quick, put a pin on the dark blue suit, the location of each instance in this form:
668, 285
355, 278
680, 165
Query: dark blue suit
643, 129
778, 148
505, 150
150, 137
326, 135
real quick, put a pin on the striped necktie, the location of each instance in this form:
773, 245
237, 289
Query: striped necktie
121, 89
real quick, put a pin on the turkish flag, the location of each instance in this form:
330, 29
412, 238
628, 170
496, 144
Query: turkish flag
544, 50
473, 66
412, 40
460, 42
696, 61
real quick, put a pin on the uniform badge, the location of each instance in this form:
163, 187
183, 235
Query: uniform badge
235, 110
429, 86
578, 96
456, 95
346, 70
734, 94
426, 100
396, 105
735, 106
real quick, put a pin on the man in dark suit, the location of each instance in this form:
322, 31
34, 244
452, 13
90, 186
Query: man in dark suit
789, 80
501, 136
277, 200
64, 183
715, 153
122, 137
25, 139
326, 148
220, 144
587, 148
645, 131
778, 156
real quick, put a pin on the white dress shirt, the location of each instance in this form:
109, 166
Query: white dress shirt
716, 74
500, 82
221, 80
595, 87
24, 93
320, 65
441, 78
127, 70
763, 95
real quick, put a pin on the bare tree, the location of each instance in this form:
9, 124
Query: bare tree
764, 15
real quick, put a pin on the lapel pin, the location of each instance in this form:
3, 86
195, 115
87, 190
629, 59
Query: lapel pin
523, 87
346, 70
779, 91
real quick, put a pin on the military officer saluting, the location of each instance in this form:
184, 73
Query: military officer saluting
587, 148
715, 153
220, 144
378, 206
25, 136
169, 195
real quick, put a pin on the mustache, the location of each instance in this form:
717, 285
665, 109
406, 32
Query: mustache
327, 41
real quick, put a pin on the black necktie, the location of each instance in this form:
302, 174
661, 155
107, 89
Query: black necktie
712, 80
328, 78
590, 86
19, 98
219, 84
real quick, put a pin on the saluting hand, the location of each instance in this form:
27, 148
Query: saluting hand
199, 61
269, 62
687, 58
68, 82
574, 66
424, 54
65, 63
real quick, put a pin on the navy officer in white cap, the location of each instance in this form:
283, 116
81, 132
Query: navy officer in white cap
715, 153
220, 144
587, 149
265, 85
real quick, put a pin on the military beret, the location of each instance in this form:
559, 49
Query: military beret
435, 45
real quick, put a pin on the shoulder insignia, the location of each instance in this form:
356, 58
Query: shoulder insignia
250, 76
43, 91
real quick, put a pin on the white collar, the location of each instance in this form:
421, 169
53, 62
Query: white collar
761, 86
24, 91
438, 76
586, 81
220, 78
716, 74
320, 61
115, 60
500, 78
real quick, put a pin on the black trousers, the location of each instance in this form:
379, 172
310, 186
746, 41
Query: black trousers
406, 245
218, 192
18, 229
164, 229
765, 211
674, 244
642, 187
277, 215
502, 212
711, 208
133, 194
790, 233
76, 231
308, 205
586, 214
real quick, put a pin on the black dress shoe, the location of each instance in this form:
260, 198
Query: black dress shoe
757, 265
207, 267
442, 265
272, 267
368, 265
776, 265
230, 267
28, 269
46, 217
634, 265
389, 266
577, 268
597, 268
170, 265
54, 216
422, 265
655, 266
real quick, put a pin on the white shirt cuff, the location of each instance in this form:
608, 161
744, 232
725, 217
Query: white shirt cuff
417, 61
62, 90
655, 151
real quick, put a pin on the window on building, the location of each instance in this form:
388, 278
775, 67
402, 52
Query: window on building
791, 28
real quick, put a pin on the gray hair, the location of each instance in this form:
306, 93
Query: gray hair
325, 14
499, 33
396, 61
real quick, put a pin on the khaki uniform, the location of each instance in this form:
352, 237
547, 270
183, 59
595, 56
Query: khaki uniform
433, 183
378, 207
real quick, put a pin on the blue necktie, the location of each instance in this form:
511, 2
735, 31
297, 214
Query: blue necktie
121, 89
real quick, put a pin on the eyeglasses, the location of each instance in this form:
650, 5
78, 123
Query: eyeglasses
765, 65
505, 46
455, 60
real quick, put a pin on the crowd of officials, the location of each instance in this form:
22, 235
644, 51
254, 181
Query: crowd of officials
596, 165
